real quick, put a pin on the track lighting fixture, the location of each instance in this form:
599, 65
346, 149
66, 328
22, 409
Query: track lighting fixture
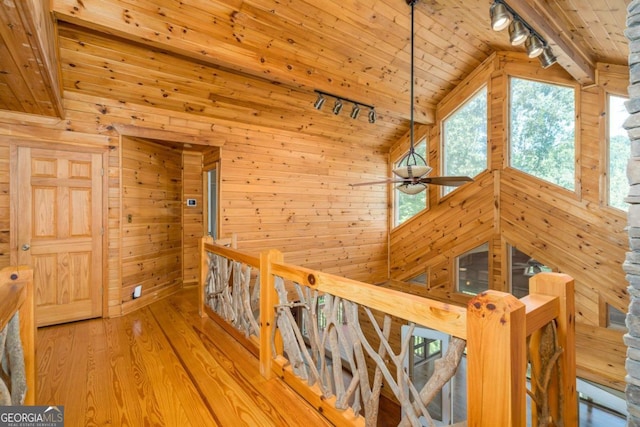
339, 104
518, 33
337, 107
534, 47
355, 112
319, 102
502, 16
547, 58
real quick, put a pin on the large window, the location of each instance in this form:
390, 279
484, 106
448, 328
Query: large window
473, 270
619, 152
464, 140
407, 205
542, 131
523, 267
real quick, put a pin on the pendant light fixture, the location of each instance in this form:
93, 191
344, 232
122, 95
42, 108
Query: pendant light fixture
413, 165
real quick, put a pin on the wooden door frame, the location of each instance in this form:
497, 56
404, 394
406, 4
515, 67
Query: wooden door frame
14, 145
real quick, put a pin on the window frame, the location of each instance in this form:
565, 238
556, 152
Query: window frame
605, 200
456, 269
554, 80
441, 143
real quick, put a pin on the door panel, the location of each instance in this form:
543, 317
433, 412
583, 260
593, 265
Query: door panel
60, 231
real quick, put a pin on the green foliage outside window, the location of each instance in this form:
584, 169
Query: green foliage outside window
542, 131
409, 205
465, 139
619, 152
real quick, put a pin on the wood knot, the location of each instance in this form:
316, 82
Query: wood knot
491, 306
311, 279
477, 305
14, 276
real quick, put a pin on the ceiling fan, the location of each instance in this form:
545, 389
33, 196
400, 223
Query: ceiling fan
412, 174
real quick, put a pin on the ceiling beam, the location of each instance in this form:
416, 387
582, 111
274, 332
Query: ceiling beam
30, 67
570, 55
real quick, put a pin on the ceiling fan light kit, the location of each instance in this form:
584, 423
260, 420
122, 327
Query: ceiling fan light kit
412, 169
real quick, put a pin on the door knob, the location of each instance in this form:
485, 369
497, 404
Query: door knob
26, 247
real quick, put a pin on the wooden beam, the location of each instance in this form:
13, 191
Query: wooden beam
28, 36
166, 135
570, 55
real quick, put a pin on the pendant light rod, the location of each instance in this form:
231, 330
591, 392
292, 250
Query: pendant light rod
412, 3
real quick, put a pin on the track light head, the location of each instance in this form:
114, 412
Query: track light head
547, 58
355, 111
518, 33
534, 46
319, 102
372, 116
337, 107
500, 16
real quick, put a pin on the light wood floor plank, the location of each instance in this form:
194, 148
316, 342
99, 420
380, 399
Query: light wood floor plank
162, 365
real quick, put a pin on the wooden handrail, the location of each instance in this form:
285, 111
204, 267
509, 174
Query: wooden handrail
443, 317
17, 296
496, 326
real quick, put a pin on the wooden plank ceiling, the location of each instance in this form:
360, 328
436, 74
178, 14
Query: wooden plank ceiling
258, 62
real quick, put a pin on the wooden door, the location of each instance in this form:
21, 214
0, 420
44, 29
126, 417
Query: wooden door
59, 231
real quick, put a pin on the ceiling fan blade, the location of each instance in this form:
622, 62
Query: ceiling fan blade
388, 181
450, 181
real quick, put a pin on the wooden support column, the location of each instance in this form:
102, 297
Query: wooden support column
204, 269
496, 360
268, 300
562, 389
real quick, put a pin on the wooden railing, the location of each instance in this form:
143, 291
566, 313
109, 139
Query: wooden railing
17, 311
337, 341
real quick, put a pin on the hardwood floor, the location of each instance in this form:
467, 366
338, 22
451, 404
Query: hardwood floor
160, 366
165, 366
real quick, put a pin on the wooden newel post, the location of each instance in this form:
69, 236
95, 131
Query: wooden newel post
204, 270
496, 360
563, 395
268, 301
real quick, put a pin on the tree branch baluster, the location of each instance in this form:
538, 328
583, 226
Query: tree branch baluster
334, 357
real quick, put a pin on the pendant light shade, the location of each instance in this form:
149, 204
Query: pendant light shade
500, 16
412, 171
411, 189
518, 33
534, 46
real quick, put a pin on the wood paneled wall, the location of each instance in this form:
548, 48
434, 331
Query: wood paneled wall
193, 225
279, 189
573, 232
151, 217
292, 193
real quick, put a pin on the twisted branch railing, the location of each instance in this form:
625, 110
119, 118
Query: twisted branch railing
17, 337
337, 341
